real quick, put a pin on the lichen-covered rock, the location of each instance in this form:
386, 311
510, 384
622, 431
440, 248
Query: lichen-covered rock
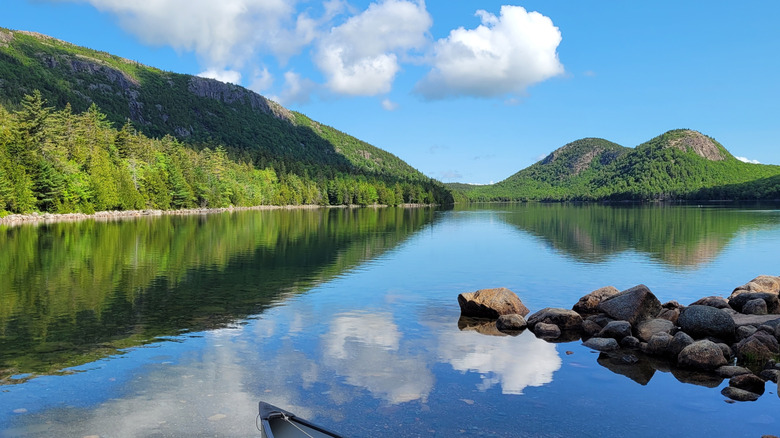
589, 303
648, 328
615, 329
602, 344
511, 323
712, 301
491, 303
762, 283
755, 307
546, 331
702, 355
565, 319
745, 331
633, 305
704, 321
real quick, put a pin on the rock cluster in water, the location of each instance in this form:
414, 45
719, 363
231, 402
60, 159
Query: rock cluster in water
703, 343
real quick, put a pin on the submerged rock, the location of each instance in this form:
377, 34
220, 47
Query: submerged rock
739, 394
491, 303
633, 305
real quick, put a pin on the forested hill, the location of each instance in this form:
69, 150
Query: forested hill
203, 115
678, 165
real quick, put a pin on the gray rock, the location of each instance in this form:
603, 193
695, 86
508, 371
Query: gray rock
511, 323
590, 328
772, 375
713, 301
601, 344
740, 319
703, 355
601, 319
633, 305
703, 321
630, 342
589, 303
748, 382
766, 328
648, 328
757, 348
548, 331
659, 344
491, 303
755, 306
738, 300
680, 340
727, 352
670, 314
745, 331
737, 394
731, 371
565, 319
616, 329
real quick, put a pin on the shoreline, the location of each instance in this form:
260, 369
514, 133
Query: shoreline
48, 218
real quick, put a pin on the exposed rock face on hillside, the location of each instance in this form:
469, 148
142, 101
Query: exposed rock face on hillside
579, 155
704, 146
229, 94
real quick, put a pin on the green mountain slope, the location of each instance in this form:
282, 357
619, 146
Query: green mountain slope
680, 164
197, 111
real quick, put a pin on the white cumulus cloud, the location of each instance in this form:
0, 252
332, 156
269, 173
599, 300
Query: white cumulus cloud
297, 89
389, 105
227, 76
361, 56
503, 55
747, 160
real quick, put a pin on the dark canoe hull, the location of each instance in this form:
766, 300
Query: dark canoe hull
278, 423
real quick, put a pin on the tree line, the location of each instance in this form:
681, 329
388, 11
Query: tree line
58, 161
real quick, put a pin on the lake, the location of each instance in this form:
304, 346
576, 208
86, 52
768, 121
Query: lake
179, 325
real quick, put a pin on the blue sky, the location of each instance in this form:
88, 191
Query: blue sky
462, 90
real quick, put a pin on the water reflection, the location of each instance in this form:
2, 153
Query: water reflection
511, 362
72, 293
365, 349
675, 235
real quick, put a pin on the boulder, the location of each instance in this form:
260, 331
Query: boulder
738, 301
491, 303
755, 348
590, 328
703, 321
546, 331
755, 307
727, 351
630, 342
680, 340
712, 301
511, 323
745, 331
648, 328
589, 303
670, 314
762, 283
731, 371
565, 319
737, 394
748, 382
602, 344
616, 329
771, 374
659, 344
702, 355
601, 319
633, 305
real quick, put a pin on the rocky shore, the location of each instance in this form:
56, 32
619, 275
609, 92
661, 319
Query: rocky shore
712, 339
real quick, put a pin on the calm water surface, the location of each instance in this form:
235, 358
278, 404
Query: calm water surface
177, 326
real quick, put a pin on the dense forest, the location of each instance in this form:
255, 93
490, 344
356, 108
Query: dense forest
58, 161
119, 135
678, 165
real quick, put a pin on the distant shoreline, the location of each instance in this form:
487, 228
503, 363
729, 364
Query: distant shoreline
47, 218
